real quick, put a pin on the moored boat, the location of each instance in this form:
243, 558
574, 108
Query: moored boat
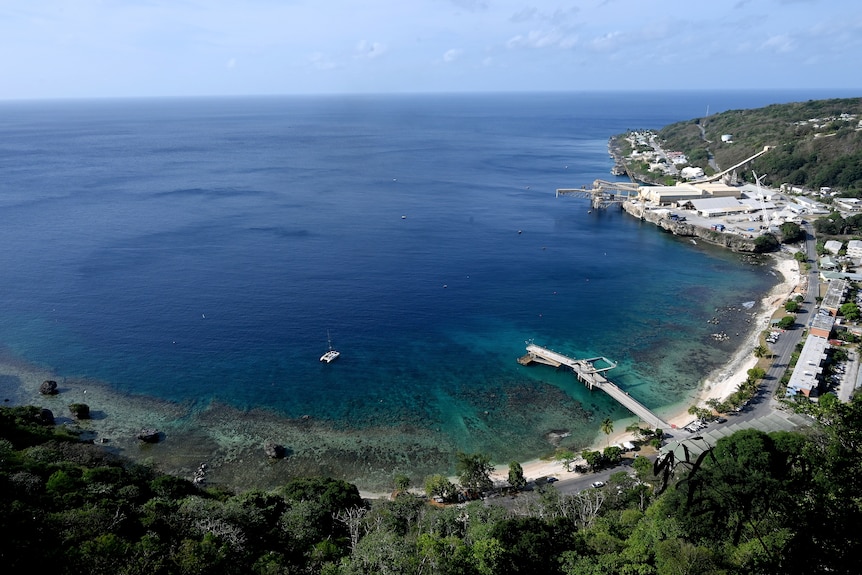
330, 355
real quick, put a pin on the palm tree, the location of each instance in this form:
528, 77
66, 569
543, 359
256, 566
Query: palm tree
760, 351
608, 428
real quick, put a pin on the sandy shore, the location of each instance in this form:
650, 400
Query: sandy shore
234, 449
719, 384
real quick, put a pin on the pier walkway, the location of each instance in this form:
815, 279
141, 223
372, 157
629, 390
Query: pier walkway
603, 193
593, 377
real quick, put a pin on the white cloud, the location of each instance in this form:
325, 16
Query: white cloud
452, 55
536, 39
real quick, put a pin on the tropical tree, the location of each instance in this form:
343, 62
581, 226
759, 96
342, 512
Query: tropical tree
612, 454
566, 457
791, 232
765, 243
516, 475
746, 493
474, 471
755, 374
439, 486
402, 482
760, 351
643, 467
608, 428
700, 412
594, 459
850, 310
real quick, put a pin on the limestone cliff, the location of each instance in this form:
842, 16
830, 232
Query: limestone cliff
724, 239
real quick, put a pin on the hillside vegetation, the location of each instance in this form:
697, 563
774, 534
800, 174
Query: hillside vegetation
757, 503
816, 143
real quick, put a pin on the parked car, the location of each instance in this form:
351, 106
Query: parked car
598, 484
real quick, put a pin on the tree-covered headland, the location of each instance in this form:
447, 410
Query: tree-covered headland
814, 144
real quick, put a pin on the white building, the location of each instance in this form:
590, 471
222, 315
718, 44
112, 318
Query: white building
691, 172
849, 204
712, 207
668, 194
806, 376
854, 249
833, 246
718, 190
805, 202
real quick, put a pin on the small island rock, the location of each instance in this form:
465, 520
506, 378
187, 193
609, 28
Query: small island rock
48, 387
149, 435
80, 410
274, 451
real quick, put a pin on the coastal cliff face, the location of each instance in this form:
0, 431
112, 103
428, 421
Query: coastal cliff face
724, 239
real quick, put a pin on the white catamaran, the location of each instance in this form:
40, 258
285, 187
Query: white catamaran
330, 355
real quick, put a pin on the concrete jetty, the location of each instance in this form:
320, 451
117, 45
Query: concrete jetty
593, 377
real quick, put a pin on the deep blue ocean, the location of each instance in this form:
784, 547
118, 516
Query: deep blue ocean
200, 250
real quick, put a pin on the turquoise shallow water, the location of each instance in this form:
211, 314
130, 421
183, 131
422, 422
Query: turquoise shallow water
199, 252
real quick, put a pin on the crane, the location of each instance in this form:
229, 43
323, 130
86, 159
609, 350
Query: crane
760, 195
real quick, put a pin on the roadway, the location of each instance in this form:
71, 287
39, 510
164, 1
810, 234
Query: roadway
782, 350
567, 484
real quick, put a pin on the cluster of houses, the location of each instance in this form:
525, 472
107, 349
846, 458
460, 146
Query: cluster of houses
829, 123
837, 262
646, 149
807, 377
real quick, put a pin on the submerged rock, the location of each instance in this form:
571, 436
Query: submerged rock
149, 435
48, 387
274, 450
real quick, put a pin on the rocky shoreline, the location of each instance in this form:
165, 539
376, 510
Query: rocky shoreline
732, 242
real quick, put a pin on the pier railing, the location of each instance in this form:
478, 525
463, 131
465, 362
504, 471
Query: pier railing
593, 377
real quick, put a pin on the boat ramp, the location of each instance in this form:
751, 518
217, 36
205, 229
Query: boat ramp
593, 377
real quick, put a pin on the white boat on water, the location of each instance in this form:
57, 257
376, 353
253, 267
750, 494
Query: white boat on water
330, 355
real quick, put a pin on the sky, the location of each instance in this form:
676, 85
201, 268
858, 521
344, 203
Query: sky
146, 48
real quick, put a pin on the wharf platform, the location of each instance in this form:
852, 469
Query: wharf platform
593, 377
